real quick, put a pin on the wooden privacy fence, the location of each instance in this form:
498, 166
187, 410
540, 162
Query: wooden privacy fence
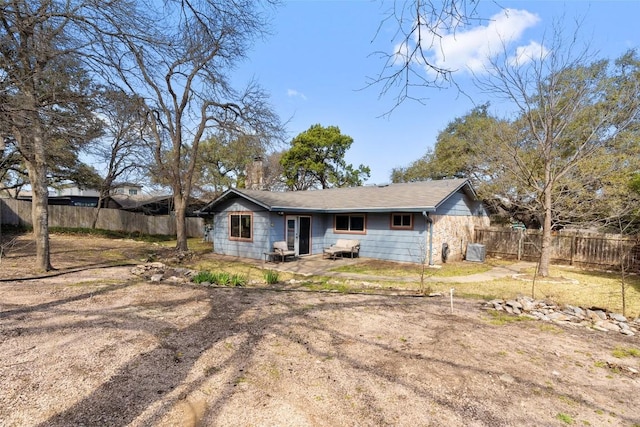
573, 248
18, 213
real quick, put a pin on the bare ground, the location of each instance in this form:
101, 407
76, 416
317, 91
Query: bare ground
102, 347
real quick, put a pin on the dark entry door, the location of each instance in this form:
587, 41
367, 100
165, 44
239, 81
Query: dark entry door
304, 239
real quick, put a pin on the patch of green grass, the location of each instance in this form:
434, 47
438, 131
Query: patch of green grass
622, 352
271, 277
503, 318
203, 277
565, 418
238, 280
220, 278
600, 364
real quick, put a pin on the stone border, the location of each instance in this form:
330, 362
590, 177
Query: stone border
591, 318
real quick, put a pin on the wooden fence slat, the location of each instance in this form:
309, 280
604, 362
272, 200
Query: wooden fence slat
601, 250
18, 213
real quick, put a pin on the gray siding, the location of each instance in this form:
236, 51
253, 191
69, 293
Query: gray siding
459, 205
381, 242
319, 225
262, 231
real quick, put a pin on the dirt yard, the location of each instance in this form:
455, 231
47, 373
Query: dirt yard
101, 347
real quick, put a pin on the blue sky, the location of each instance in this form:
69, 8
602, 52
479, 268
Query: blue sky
318, 59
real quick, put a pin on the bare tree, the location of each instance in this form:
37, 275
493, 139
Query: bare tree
570, 109
122, 149
420, 26
180, 61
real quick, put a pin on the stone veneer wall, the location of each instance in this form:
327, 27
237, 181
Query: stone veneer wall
457, 232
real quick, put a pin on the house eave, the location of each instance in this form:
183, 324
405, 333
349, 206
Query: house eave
291, 209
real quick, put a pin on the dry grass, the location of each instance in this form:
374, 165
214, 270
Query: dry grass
584, 288
397, 269
569, 285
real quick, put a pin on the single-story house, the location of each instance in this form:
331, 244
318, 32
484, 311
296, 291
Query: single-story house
411, 222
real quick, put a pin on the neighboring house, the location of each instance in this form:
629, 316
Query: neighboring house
152, 205
397, 222
127, 189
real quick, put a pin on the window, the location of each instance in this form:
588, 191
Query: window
240, 226
133, 192
402, 221
350, 223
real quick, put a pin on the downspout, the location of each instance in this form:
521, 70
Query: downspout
428, 220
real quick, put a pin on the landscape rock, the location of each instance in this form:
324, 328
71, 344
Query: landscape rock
514, 304
594, 318
608, 325
617, 317
596, 315
158, 272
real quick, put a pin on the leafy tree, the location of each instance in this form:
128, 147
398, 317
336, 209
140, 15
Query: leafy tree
223, 159
45, 96
316, 159
13, 175
459, 150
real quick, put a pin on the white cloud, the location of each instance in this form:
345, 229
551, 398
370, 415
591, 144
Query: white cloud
295, 94
470, 50
524, 54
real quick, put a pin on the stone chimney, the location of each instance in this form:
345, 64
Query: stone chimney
255, 175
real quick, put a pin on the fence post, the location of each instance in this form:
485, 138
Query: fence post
520, 234
573, 249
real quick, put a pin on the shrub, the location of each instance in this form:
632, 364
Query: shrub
271, 277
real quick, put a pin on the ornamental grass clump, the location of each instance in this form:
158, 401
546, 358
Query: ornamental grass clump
220, 278
271, 277
238, 280
204, 277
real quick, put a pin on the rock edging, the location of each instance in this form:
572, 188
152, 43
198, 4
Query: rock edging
593, 318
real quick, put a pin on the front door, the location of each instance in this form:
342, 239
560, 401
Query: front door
298, 232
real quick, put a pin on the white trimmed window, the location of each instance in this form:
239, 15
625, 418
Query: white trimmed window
240, 226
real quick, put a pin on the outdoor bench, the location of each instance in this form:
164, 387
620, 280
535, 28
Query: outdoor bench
343, 247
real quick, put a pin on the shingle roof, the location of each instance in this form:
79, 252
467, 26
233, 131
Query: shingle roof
411, 196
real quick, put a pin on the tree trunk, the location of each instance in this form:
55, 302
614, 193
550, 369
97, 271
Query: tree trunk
545, 250
181, 224
96, 215
39, 205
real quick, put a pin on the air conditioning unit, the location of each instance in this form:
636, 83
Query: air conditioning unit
475, 252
